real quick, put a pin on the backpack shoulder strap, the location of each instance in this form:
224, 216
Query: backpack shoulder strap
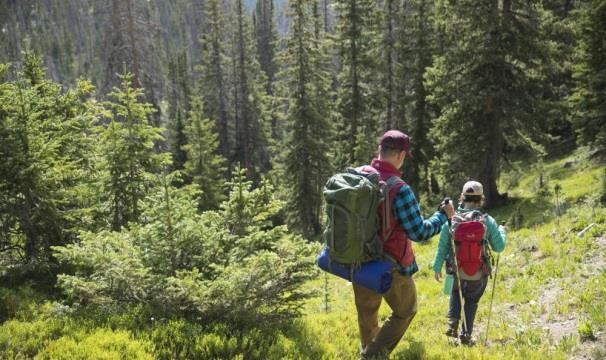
389, 184
393, 181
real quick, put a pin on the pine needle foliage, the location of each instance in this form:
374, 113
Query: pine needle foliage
45, 146
487, 87
204, 166
127, 154
589, 99
357, 96
230, 266
306, 84
213, 80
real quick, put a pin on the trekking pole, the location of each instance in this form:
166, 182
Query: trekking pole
494, 281
452, 244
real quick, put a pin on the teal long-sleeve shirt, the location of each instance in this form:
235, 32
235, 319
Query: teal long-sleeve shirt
496, 238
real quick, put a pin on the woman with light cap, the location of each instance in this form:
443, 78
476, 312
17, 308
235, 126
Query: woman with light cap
473, 274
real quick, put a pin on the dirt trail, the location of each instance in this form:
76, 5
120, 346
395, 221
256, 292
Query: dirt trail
595, 264
560, 326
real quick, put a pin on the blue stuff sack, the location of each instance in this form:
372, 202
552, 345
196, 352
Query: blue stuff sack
375, 275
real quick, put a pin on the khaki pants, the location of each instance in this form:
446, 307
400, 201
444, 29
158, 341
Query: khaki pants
401, 298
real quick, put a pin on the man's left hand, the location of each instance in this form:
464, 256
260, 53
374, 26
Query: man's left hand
447, 208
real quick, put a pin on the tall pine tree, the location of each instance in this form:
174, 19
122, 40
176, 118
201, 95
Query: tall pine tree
306, 82
214, 83
357, 99
128, 156
128, 33
416, 47
204, 166
589, 98
486, 88
45, 146
388, 64
250, 148
265, 31
178, 105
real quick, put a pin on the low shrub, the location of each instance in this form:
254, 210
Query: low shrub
16, 300
25, 339
100, 344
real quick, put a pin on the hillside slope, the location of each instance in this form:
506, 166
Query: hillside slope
549, 301
551, 288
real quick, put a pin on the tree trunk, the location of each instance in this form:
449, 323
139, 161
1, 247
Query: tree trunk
489, 172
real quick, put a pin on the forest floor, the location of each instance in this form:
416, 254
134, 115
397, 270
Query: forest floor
550, 296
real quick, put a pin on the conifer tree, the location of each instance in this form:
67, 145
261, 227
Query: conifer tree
128, 32
180, 84
214, 76
177, 139
485, 87
388, 64
589, 98
415, 47
306, 82
263, 21
266, 37
45, 146
204, 166
250, 148
559, 19
357, 98
128, 157
177, 261
328, 16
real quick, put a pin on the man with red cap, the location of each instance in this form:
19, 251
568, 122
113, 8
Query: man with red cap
405, 225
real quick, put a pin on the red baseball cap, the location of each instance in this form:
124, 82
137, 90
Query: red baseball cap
395, 139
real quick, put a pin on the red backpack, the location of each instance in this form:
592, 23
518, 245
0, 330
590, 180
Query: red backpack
468, 231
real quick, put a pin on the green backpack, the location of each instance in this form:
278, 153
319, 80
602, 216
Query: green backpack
352, 230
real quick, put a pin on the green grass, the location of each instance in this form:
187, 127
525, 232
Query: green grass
547, 275
544, 255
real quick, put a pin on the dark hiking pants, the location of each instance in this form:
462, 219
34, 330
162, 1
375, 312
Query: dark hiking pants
472, 292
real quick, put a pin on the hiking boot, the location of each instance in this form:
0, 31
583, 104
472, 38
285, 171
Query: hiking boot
453, 327
466, 340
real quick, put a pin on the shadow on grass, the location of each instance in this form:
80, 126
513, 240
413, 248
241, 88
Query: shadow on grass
521, 212
307, 346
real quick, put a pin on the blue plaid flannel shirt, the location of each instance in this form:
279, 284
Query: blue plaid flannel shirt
407, 212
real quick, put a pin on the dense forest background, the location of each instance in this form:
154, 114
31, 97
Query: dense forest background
165, 159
